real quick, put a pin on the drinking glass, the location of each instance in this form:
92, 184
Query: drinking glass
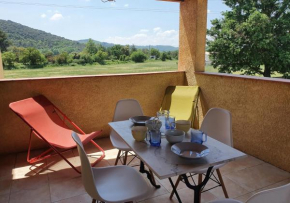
170, 122
163, 115
155, 138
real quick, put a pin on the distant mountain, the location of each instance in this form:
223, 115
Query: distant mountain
24, 36
159, 47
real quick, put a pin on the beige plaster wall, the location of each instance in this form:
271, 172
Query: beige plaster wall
88, 101
260, 110
192, 37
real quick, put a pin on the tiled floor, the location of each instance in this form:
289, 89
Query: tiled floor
54, 181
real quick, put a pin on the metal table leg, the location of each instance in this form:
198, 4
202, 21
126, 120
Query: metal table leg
197, 188
142, 170
174, 190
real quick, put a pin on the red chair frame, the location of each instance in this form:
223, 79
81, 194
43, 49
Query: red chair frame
45, 154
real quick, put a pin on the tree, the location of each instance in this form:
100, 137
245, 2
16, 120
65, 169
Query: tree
32, 56
101, 56
4, 43
62, 58
155, 52
163, 56
133, 49
91, 47
138, 56
116, 51
252, 38
8, 58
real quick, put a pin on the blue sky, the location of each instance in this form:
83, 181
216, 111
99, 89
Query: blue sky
140, 22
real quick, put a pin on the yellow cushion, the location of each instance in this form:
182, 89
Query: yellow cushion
180, 101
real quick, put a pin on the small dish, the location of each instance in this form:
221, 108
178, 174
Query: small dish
190, 150
140, 120
174, 136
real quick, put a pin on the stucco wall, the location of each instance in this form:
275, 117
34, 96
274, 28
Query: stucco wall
260, 110
88, 101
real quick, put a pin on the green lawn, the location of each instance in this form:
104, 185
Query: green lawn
148, 66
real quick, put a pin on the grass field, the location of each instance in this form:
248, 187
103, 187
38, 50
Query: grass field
148, 66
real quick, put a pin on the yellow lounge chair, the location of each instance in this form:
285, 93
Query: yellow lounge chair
182, 102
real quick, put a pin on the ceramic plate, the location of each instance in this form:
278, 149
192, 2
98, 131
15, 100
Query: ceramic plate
190, 150
140, 120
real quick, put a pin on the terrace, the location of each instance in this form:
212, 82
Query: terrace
259, 109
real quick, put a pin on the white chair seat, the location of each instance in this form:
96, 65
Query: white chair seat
120, 184
204, 170
118, 143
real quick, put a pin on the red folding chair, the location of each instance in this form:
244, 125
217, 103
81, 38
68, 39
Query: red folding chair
46, 123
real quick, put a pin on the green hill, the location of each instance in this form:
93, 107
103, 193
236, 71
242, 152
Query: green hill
24, 36
159, 47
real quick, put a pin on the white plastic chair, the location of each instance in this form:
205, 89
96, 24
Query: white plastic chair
107, 184
217, 124
278, 195
124, 110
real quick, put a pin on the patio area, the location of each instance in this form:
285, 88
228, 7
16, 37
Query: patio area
54, 180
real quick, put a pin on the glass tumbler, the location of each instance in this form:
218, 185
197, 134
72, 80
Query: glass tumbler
162, 116
155, 138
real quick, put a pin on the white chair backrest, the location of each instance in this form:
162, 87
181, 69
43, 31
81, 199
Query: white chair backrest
277, 195
217, 124
126, 109
87, 173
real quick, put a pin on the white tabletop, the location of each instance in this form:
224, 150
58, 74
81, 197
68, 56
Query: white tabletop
164, 163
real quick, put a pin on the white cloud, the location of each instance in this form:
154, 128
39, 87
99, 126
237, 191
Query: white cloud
113, 4
208, 11
57, 16
43, 15
159, 37
144, 30
157, 29
126, 5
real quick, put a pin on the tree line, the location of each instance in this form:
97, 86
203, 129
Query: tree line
20, 57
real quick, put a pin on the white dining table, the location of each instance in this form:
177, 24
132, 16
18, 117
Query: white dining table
166, 164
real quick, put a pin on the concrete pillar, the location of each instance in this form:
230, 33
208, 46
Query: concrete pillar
192, 37
1, 68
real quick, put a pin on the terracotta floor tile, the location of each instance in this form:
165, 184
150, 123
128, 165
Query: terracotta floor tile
23, 169
257, 177
240, 164
78, 199
167, 185
38, 195
153, 192
7, 164
161, 199
233, 189
245, 197
66, 189
5, 185
4, 198
187, 196
31, 183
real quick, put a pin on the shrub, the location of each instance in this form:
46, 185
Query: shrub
8, 58
138, 57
